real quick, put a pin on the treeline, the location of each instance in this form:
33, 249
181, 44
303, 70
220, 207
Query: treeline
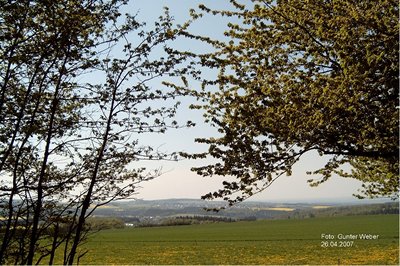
202, 219
102, 223
373, 209
184, 220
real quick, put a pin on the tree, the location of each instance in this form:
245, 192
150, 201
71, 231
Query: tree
297, 76
74, 100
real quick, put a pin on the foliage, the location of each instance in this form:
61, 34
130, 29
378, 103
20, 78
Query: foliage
74, 96
101, 223
297, 76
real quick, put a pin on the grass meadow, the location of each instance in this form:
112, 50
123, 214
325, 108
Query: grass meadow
256, 242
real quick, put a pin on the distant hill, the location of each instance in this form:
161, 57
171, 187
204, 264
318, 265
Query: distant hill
139, 210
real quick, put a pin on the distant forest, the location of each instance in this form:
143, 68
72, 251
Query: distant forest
167, 215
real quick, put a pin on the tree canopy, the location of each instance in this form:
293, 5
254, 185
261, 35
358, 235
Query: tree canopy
297, 76
74, 98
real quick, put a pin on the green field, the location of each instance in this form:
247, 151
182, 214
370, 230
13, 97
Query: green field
259, 242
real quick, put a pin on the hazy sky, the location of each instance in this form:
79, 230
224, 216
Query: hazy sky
179, 181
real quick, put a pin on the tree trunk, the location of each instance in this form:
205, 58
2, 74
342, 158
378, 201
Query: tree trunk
86, 202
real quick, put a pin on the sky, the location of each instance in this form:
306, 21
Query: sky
178, 181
